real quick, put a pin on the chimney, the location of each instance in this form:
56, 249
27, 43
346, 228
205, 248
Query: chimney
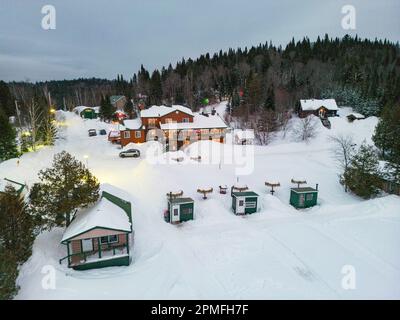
316, 186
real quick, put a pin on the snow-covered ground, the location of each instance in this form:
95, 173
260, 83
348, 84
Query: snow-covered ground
278, 252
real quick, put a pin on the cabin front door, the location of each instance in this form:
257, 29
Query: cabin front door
87, 245
240, 206
175, 217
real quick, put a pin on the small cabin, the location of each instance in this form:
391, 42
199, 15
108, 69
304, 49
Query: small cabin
303, 197
244, 202
355, 116
244, 136
87, 112
179, 210
322, 108
100, 236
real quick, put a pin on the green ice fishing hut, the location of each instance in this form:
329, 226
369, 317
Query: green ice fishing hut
303, 197
179, 210
244, 202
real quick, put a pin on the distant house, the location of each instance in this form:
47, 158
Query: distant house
118, 102
100, 236
355, 116
244, 136
322, 108
19, 187
87, 112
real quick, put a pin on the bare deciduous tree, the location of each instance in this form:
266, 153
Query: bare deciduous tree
343, 151
34, 121
306, 128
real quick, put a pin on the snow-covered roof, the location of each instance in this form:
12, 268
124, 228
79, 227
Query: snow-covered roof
114, 134
4, 182
244, 134
199, 122
114, 99
133, 124
315, 104
356, 115
104, 214
79, 109
160, 111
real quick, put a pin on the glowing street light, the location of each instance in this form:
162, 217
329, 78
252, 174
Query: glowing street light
87, 160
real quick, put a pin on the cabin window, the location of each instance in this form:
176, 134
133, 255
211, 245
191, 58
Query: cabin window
241, 202
109, 239
152, 122
127, 134
250, 204
168, 120
309, 197
176, 212
185, 120
138, 134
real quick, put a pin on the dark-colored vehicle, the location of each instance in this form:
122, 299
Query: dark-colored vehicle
92, 132
102, 132
326, 123
135, 153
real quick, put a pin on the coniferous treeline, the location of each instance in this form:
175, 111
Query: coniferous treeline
358, 72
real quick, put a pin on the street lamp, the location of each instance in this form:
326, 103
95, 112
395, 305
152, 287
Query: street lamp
87, 160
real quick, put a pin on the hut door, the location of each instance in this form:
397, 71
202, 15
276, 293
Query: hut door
240, 206
87, 245
301, 200
175, 214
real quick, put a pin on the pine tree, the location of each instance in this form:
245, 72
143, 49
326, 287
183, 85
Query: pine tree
8, 144
106, 109
128, 108
65, 187
16, 224
6, 100
48, 130
270, 100
362, 176
8, 274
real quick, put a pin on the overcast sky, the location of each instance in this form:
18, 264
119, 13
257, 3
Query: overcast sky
103, 38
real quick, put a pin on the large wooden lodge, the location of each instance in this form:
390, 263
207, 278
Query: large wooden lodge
178, 125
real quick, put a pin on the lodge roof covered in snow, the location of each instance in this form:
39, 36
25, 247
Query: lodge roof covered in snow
315, 104
104, 214
160, 111
133, 124
199, 122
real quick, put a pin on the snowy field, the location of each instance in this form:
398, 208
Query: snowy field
278, 252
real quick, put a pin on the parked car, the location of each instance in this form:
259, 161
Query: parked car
326, 123
102, 132
92, 132
135, 153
